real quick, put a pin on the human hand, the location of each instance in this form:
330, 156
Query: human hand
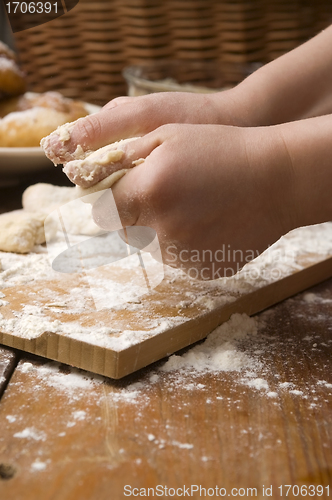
126, 117
209, 191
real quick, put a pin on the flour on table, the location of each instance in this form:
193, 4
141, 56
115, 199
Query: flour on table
73, 382
31, 433
219, 351
38, 466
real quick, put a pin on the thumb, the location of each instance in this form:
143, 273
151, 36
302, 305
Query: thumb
118, 207
128, 194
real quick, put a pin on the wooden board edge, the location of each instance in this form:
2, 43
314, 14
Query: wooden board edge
8, 363
67, 350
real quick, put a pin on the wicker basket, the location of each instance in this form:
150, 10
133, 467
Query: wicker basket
83, 53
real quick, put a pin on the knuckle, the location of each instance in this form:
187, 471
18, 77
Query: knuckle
168, 130
118, 101
148, 107
89, 129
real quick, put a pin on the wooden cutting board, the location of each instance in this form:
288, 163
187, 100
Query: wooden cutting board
117, 341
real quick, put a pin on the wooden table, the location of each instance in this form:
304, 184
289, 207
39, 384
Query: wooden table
69, 435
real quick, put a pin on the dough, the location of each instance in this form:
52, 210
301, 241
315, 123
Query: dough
93, 192
88, 169
20, 231
95, 167
46, 198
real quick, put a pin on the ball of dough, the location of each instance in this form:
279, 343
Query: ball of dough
46, 198
21, 231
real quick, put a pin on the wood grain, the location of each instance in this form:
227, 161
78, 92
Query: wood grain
178, 428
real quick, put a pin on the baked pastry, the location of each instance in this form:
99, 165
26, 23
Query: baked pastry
12, 81
27, 118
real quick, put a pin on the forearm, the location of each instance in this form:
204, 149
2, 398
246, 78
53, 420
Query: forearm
295, 86
308, 151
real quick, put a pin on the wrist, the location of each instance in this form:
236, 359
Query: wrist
246, 105
271, 167
309, 148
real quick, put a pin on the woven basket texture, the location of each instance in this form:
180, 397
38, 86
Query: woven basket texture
83, 53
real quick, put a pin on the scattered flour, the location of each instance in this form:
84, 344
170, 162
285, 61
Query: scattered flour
73, 382
219, 351
79, 415
259, 384
38, 466
296, 392
325, 384
183, 446
31, 433
11, 418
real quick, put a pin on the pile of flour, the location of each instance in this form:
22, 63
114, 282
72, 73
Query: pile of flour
219, 352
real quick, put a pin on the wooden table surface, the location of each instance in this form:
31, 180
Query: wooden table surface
68, 435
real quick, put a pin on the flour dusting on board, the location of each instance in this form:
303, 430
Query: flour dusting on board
60, 309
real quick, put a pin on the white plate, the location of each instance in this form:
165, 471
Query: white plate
15, 161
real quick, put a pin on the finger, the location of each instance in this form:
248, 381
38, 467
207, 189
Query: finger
127, 117
107, 160
127, 207
129, 193
117, 101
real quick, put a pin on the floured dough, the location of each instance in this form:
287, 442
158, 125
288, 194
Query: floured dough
94, 167
46, 198
93, 192
20, 231
89, 169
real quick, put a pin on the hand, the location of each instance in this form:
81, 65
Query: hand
126, 117
206, 189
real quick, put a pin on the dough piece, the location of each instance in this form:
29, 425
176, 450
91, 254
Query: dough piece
95, 167
93, 192
89, 169
46, 198
21, 231
32, 116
